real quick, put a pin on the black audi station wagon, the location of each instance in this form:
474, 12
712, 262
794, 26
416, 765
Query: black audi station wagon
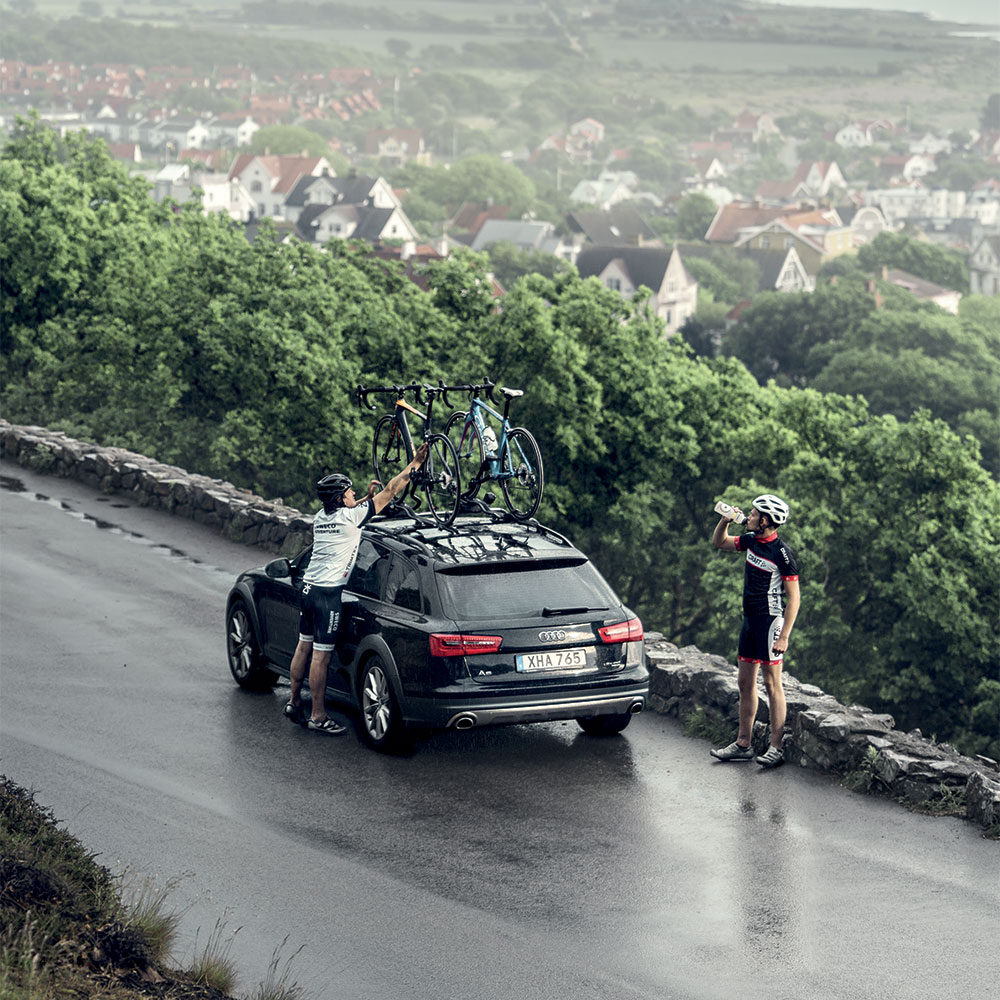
485, 622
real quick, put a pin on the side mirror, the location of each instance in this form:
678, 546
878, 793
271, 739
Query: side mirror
278, 569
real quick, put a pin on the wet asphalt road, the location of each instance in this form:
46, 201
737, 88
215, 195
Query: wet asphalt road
527, 862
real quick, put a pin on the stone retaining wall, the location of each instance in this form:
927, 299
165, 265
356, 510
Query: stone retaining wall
824, 735
237, 514
821, 733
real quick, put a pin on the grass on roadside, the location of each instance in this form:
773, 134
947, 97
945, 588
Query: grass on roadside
69, 928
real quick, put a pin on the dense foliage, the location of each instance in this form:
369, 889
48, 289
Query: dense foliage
167, 332
924, 260
860, 335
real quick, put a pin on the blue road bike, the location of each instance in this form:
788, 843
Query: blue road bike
510, 458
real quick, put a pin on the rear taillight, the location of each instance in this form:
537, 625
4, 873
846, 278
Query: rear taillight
443, 644
630, 631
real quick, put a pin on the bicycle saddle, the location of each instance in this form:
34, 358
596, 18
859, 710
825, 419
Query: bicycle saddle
511, 393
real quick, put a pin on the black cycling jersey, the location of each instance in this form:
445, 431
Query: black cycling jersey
769, 563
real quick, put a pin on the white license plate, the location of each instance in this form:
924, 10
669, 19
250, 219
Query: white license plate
552, 659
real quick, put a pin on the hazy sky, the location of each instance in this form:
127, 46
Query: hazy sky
970, 11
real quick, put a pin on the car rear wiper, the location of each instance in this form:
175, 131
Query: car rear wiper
550, 612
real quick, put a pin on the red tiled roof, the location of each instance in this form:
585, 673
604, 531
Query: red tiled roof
731, 218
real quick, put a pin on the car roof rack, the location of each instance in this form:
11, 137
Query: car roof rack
400, 520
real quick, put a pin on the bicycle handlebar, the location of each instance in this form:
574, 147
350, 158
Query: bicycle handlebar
362, 392
419, 390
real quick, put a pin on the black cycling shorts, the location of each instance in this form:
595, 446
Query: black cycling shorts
319, 618
757, 639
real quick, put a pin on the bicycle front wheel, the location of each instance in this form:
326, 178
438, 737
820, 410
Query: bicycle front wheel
521, 475
442, 479
469, 448
388, 451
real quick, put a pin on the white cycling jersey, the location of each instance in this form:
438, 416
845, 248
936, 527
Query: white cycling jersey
336, 538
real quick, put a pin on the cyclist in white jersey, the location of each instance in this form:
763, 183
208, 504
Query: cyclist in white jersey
336, 537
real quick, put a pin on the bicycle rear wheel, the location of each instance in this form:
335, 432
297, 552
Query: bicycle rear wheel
469, 448
522, 477
442, 479
388, 452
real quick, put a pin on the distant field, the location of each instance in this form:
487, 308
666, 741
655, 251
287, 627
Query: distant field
906, 64
737, 57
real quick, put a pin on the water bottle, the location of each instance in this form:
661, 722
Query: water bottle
724, 510
490, 442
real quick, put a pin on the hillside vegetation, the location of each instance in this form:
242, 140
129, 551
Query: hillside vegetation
161, 330
69, 928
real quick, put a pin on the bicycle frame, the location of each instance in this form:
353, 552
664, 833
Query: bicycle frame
439, 474
401, 407
493, 465
401, 424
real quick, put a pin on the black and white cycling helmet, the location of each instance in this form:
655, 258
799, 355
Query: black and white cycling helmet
331, 488
775, 508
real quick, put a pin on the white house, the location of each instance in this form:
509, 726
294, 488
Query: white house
899, 203
674, 295
984, 267
231, 132
930, 144
180, 133
354, 189
270, 179
862, 133
526, 235
603, 192
589, 130
867, 221
320, 223
178, 182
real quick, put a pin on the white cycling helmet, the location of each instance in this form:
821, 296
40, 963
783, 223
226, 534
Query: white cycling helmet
775, 508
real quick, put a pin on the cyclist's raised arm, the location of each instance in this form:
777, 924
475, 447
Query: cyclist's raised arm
721, 538
398, 483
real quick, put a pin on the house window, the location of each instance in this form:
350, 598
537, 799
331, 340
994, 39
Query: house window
256, 187
765, 242
615, 284
261, 208
789, 242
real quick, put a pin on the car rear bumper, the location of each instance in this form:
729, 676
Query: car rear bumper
473, 713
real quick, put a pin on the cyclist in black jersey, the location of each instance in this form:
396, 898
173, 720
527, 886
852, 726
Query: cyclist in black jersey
771, 574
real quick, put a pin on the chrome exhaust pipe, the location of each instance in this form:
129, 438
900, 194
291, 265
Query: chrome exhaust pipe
465, 722
635, 708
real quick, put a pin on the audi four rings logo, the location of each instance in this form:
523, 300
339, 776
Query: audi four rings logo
557, 635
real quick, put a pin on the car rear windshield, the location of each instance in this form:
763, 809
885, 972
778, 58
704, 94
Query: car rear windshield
523, 590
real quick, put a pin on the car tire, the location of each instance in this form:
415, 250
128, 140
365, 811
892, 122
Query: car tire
604, 725
382, 726
246, 661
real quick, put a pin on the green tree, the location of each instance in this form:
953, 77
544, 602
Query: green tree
510, 263
398, 48
989, 117
776, 335
290, 140
169, 333
712, 279
924, 260
695, 213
